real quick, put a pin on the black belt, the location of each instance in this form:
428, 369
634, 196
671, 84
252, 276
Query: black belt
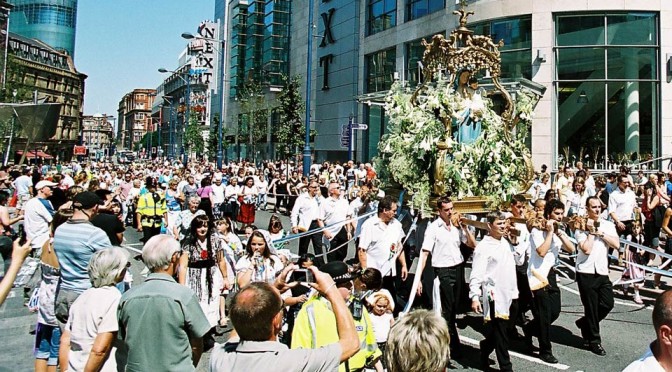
202, 264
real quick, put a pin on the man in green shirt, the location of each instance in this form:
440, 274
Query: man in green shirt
161, 324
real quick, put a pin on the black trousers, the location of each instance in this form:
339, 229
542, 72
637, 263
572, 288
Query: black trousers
148, 232
281, 200
546, 310
497, 339
317, 244
524, 293
451, 280
597, 297
340, 238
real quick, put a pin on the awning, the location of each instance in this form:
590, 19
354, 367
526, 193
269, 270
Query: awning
31, 154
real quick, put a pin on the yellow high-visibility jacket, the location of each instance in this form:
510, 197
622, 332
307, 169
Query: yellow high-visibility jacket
150, 211
315, 326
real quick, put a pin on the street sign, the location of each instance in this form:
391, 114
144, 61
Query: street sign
79, 150
345, 136
357, 126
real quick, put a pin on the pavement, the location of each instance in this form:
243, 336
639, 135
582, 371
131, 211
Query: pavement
626, 332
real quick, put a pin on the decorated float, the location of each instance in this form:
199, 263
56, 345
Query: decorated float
450, 136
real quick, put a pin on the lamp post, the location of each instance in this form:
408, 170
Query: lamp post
309, 67
220, 154
186, 116
171, 145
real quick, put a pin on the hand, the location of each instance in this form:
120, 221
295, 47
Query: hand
404, 273
20, 252
295, 230
226, 284
550, 225
140, 228
620, 226
323, 282
327, 234
281, 281
476, 306
419, 291
301, 299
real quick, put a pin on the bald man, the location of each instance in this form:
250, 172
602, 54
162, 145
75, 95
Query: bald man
658, 357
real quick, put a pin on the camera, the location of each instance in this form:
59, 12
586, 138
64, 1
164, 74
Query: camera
302, 276
22, 235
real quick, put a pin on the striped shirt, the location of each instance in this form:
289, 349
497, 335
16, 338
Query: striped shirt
74, 243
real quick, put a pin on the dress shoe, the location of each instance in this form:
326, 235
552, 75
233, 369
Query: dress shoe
548, 358
597, 349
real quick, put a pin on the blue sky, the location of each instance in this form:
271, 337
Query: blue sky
120, 44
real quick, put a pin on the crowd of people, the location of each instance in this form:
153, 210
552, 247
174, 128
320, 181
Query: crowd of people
210, 265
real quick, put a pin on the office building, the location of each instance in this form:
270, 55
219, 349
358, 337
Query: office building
53, 22
134, 116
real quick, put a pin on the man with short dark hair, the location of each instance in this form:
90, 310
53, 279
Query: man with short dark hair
334, 211
304, 217
257, 312
658, 356
622, 203
442, 240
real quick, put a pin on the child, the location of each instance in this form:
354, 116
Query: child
632, 273
382, 306
248, 229
276, 231
230, 238
233, 249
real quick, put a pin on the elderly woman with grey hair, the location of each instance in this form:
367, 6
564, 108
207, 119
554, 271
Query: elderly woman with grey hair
418, 342
89, 335
182, 226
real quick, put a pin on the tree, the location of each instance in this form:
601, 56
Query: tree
255, 111
193, 138
14, 82
291, 132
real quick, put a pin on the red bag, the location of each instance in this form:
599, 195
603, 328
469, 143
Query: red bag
12, 201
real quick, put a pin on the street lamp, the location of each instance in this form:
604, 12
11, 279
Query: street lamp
186, 117
306, 147
189, 36
171, 148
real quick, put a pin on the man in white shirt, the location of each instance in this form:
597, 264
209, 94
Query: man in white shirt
262, 186
217, 197
492, 289
334, 211
38, 215
592, 275
24, 189
304, 217
546, 244
622, 203
521, 251
658, 357
380, 244
442, 240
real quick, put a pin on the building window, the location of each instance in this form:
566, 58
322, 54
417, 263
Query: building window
420, 8
381, 15
414, 53
380, 70
607, 85
517, 50
139, 116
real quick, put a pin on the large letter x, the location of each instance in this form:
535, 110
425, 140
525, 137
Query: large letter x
326, 18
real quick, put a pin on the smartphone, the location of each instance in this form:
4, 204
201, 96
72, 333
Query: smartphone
303, 276
22, 235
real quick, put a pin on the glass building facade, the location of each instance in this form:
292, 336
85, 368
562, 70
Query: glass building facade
419, 8
607, 86
517, 50
380, 15
50, 21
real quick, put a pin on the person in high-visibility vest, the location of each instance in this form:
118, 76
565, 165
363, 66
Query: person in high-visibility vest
151, 211
317, 312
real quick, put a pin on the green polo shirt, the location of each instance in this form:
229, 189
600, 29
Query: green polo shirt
156, 320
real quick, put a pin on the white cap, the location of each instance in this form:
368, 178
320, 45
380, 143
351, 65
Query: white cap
42, 184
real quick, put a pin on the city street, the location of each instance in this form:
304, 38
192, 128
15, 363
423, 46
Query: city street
625, 333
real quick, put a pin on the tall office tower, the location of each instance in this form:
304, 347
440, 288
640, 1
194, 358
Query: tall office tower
50, 21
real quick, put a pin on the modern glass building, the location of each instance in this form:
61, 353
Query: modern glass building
603, 64
50, 21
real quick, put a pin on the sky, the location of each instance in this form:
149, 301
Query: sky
120, 45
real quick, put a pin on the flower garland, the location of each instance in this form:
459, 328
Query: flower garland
491, 166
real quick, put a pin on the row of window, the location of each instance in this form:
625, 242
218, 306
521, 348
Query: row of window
48, 14
382, 14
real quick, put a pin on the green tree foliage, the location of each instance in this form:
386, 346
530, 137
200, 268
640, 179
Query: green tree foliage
14, 82
213, 139
193, 138
254, 119
291, 131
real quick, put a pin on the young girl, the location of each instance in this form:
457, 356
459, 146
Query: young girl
632, 273
224, 229
276, 231
382, 307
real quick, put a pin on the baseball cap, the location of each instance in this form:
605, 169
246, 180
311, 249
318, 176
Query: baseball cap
86, 200
42, 184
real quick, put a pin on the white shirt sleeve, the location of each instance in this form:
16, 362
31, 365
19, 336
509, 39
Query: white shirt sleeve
430, 239
477, 276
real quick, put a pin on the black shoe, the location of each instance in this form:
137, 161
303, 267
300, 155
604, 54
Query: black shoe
548, 358
597, 349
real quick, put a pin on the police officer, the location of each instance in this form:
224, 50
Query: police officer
315, 324
151, 211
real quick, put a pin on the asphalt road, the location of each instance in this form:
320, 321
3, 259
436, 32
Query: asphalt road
626, 332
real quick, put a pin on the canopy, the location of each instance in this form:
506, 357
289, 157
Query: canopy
36, 122
31, 154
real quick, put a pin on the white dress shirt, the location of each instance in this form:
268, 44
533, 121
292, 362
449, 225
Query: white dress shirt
231, 192
334, 212
596, 262
217, 196
306, 210
493, 276
539, 267
443, 242
381, 241
622, 204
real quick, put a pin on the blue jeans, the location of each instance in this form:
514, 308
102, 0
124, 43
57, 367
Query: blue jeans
261, 201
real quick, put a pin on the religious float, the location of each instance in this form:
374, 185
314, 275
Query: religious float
450, 136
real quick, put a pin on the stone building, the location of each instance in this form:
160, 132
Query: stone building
134, 113
97, 134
